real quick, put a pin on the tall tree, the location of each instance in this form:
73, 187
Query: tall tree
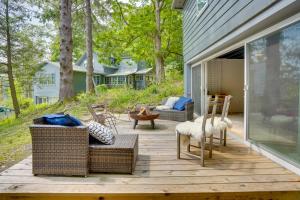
89, 47
9, 62
159, 60
66, 67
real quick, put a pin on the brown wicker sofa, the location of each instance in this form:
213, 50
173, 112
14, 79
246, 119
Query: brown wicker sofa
66, 151
175, 115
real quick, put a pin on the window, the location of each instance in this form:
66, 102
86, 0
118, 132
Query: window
201, 6
40, 100
97, 79
108, 80
274, 92
114, 80
121, 80
47, 79
139, 77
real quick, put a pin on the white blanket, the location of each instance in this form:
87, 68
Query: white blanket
221, 125
194, 130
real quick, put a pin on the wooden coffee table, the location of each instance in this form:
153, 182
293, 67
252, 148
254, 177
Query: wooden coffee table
143, 117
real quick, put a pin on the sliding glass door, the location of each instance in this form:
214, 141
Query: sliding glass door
273, 93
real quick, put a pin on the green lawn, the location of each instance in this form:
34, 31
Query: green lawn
15, 140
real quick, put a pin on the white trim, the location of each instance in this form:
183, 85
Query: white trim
266, 153
200, 12
246, 87
273, 157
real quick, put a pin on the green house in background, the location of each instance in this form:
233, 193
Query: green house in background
128, 72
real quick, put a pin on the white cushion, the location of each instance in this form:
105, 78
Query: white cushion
162, 107
100, 132
171, 102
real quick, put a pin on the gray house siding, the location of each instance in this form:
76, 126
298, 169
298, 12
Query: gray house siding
220, 18
224, 23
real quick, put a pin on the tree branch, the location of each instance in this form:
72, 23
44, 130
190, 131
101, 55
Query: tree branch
121, 11
178, 54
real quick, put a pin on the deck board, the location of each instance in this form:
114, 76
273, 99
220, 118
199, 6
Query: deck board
234, 172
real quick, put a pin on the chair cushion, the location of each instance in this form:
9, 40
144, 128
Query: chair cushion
100, 132
162, 107
180, 104
221, 125
61, 119
171, 102
195, 130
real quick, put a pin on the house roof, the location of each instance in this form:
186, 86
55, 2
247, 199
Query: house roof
99, 68
178, 4
127, 66
143, 71
76, 68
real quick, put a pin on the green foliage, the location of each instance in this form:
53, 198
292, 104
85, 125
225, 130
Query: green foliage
120, 99
101, 88
131, 32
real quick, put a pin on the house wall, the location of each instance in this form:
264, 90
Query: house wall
226, 76
51, 91
224, 23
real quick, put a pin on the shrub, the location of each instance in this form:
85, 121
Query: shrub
101, 89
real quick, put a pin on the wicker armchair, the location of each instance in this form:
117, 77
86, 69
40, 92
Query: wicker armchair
175, 115
59, 150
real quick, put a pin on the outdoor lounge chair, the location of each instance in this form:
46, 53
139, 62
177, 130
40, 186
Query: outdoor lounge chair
175, 115
103, 116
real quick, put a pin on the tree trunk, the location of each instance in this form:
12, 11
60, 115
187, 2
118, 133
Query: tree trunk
9, 65
159, 60
66, 68
89, 48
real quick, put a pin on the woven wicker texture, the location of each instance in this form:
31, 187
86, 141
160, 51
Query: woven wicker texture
175, 115
59, 150
117, 158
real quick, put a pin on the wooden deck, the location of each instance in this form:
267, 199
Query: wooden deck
234, 172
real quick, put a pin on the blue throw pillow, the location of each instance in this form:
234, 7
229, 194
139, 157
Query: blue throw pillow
180, 104
61, 119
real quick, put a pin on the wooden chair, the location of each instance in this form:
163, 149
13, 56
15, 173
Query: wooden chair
101, 115
202, 144
221, 122
224, 115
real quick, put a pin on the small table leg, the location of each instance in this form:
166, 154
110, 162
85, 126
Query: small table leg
152, 124
135, 122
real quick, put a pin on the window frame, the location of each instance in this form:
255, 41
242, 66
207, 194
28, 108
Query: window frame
201, 11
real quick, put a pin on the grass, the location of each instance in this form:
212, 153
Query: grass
15, 140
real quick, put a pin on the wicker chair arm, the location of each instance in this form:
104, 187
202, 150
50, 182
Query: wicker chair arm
189, 110
189, 106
